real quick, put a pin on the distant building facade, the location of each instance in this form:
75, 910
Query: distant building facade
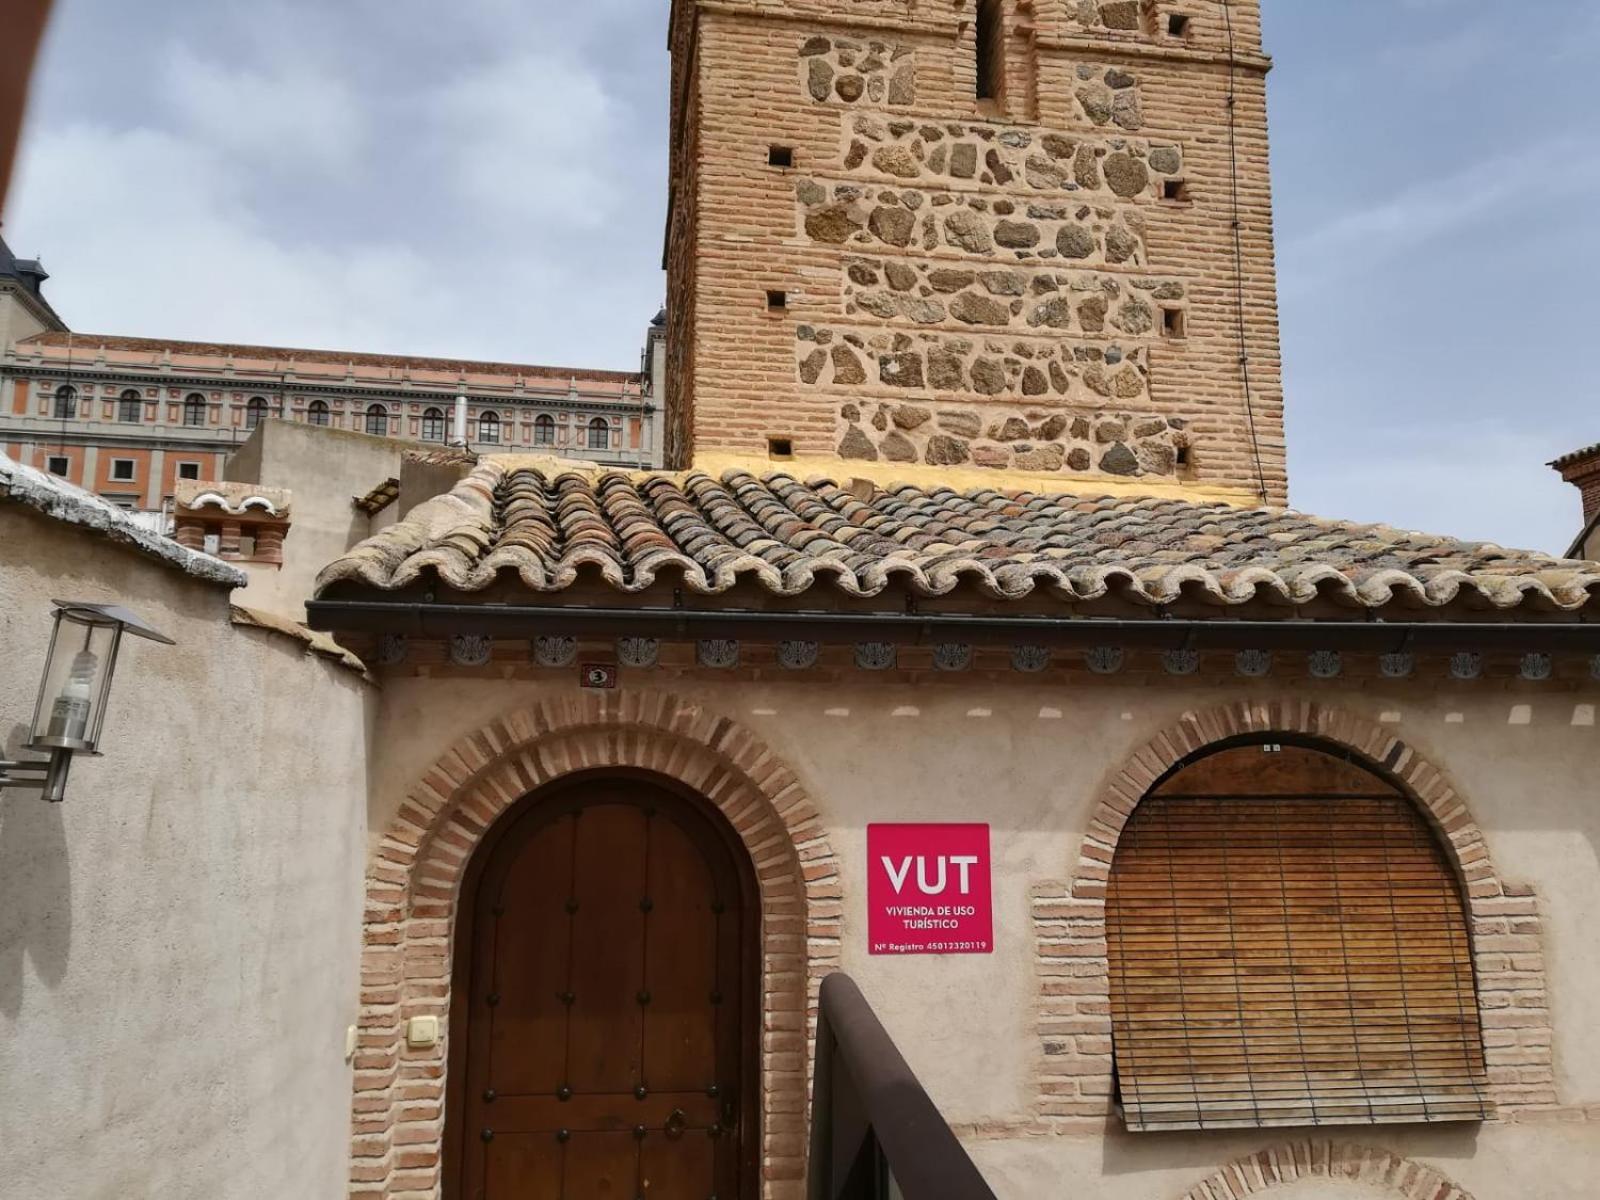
1581, 469
129, 418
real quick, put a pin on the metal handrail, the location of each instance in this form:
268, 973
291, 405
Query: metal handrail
875, 1133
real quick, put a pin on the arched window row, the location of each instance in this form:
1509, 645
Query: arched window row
491, 427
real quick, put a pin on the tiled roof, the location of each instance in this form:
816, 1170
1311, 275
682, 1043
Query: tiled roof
550, 528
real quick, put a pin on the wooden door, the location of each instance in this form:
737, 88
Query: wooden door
603, 1006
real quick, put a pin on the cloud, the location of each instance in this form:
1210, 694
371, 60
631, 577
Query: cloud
289, 117
1441, 205
354, 176
182, 255
532, 137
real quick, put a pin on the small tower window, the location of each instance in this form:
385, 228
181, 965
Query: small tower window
780, 156
990, 49
1174, 323
777, 301
780, 447
1178, 25
1175, 189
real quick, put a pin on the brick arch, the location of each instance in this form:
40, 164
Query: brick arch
1320, 1159
1069, 921
414, 877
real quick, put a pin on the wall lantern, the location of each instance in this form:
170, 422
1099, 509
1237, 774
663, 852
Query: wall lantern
71, 708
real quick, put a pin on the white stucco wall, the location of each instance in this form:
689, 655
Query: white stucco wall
1033, 762
179, 941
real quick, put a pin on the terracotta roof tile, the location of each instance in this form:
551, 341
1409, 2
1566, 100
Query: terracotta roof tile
549, 528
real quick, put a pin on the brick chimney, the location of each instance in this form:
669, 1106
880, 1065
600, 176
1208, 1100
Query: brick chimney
1581, 468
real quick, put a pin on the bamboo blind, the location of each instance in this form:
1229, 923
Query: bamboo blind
1285, 954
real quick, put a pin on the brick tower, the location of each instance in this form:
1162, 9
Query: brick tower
1028, 237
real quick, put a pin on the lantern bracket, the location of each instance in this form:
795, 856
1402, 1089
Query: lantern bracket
69, 711
49, 775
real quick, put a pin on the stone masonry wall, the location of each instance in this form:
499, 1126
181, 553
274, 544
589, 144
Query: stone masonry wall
1065, 250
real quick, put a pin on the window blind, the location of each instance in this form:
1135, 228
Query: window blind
1288, 945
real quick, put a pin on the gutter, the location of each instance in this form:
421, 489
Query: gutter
1163, 633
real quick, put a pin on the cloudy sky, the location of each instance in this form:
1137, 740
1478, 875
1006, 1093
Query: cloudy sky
378, 175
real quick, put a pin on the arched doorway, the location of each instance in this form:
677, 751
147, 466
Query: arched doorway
605, 1022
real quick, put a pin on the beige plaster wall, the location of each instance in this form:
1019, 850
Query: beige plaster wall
325, 470
179, 941
1033, 761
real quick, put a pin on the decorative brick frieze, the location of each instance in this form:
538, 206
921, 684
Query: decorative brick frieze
414, 878
846, 70
1384, 1172
1022, 160
1075, 232
1075, 1080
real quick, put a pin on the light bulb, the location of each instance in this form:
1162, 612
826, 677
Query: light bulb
69, 717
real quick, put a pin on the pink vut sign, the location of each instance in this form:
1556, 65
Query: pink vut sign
928, 889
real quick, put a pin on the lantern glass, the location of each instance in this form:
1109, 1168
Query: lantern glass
77, 678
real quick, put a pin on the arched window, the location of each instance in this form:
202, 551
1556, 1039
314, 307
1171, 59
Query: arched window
66, 401
194, 409
489, 427
130, 407
991, 50
377, 420
1288, 944
544, 430
255, 412
317, 412
432, 425
599, 434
